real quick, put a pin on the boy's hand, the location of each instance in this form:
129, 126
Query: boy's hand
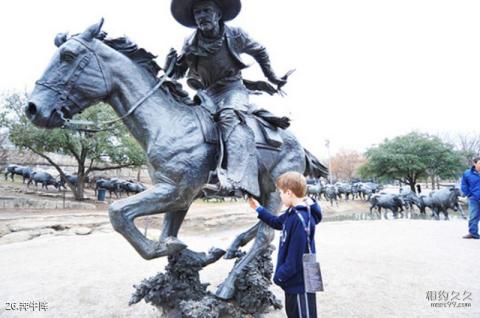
253, 203
309, 201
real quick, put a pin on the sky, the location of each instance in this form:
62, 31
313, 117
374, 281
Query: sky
366, 70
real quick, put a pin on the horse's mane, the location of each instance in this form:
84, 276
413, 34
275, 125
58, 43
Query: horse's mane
138, 55
145, 59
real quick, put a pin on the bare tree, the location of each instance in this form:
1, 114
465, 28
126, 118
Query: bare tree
467, 143
345, 163
3, 149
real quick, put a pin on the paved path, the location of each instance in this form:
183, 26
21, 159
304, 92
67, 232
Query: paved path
381, 268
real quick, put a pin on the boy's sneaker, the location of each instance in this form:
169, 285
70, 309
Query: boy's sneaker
470, 236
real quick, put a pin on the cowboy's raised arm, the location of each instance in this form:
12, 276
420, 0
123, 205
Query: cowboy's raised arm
180, 66
175, 66
259, 53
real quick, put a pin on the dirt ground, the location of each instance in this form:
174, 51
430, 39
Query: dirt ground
72, 260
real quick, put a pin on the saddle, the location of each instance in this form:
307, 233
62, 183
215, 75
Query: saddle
264, 124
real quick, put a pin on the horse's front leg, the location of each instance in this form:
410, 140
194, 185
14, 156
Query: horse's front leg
263, 239
241, 240
171, 224
163, 197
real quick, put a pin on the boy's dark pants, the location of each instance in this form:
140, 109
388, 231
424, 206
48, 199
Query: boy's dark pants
301, 305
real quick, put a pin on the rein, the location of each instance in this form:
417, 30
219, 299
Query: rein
76, 124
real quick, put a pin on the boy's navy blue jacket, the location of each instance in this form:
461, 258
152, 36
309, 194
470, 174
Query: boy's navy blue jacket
471, 184
293, 244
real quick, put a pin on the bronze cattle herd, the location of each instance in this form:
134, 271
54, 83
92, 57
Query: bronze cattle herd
438, 202
113, 185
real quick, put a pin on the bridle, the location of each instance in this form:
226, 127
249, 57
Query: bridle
64, 90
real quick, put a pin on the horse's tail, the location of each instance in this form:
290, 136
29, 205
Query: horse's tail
313, 167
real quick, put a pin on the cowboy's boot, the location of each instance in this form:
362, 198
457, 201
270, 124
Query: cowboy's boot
242, 168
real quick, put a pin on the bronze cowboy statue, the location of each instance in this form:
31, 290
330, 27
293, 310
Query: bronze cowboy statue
211, 55
88, 67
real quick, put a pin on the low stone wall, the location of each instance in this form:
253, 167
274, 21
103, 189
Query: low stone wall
28, 203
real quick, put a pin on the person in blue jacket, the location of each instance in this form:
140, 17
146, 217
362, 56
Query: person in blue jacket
293, 241
471, 188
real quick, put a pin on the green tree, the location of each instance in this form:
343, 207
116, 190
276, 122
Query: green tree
105, 150
411, 157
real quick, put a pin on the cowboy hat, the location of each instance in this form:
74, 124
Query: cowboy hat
182, 10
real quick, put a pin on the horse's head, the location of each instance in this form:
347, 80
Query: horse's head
73, 81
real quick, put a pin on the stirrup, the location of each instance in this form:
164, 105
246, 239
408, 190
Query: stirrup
217, 189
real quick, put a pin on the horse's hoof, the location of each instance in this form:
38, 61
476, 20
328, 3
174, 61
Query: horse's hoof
174, 245
169, 246
214, 254
230, 254
225, 293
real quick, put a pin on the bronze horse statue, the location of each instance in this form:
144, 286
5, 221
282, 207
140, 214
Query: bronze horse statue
87, 69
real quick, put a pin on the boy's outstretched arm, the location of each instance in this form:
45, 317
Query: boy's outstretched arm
265, 215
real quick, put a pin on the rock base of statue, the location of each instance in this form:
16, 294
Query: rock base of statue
179, 293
